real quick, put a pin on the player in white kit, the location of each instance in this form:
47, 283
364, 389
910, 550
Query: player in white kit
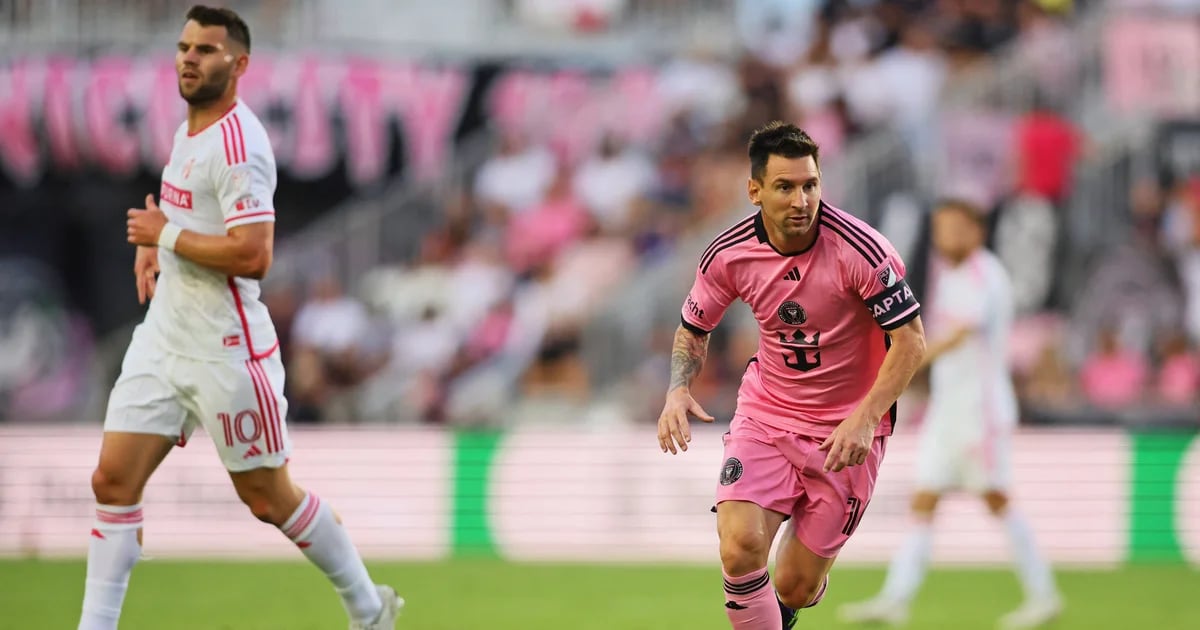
965, 442
207, 353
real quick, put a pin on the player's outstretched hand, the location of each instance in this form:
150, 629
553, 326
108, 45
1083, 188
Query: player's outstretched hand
145, 273
673, 422
144, 225
850, 443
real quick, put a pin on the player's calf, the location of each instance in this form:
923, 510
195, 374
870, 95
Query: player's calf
804, 592
269, 493
312, 525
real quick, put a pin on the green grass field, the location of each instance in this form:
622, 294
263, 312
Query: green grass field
492, 595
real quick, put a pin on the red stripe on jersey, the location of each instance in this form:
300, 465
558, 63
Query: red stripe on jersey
244, 216
241, 139
219, 119
237, 302
259, 395
258, 356
225, 137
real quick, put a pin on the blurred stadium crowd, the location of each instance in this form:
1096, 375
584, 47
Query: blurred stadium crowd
495, 317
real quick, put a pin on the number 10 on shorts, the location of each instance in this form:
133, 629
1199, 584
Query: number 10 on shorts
247, 426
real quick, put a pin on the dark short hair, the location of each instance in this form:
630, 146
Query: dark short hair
234, 25
782, 139
966, 208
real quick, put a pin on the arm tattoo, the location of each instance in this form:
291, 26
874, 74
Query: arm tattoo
687, 357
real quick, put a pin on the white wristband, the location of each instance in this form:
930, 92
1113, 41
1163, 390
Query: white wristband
168, 236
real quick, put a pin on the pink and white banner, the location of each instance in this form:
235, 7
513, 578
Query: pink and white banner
120, 113
392, 489
1152, 64
613, 496
550, 494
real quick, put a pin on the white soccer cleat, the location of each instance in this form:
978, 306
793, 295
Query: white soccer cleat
876, 610
392, 603
1033, 613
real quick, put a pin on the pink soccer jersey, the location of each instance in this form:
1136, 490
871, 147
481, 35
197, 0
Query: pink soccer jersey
822, 315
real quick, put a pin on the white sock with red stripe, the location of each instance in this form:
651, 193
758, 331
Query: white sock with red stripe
1032, 569
907, 570
316, 531
112, 551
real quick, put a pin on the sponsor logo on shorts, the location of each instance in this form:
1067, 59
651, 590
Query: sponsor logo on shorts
792, 313
731, 471
231, 341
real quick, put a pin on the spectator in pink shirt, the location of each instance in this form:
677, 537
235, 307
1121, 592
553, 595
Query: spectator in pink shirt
1113, 376
1179, 376
538, 235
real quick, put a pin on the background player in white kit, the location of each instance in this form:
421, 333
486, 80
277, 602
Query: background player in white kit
207, 352
966, 438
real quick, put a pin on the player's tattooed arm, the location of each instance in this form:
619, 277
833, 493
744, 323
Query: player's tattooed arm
687, 357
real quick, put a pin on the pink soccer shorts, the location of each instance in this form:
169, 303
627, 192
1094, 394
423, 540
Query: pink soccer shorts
783, 472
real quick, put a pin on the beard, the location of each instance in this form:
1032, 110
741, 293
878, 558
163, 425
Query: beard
791, 230
206, 92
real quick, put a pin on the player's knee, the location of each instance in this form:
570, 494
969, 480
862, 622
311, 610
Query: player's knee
744, 551
924, 504
803, 591
263, 509
111, 488
997, 502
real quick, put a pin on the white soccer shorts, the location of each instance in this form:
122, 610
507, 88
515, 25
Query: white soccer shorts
947, 462
239, 403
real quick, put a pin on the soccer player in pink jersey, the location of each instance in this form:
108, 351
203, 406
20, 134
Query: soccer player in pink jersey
207, 353
840, 338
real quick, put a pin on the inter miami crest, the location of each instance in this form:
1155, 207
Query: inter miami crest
731, 471
792, 313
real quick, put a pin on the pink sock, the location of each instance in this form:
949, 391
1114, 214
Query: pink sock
750, 602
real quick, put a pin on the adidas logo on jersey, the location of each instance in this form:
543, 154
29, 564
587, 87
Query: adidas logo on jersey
253, 451
793, 275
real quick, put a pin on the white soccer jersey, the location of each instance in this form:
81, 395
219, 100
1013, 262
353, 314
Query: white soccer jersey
971, 390
218, 178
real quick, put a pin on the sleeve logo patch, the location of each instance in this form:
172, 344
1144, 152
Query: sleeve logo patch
888, 276
239, 181
248, 203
